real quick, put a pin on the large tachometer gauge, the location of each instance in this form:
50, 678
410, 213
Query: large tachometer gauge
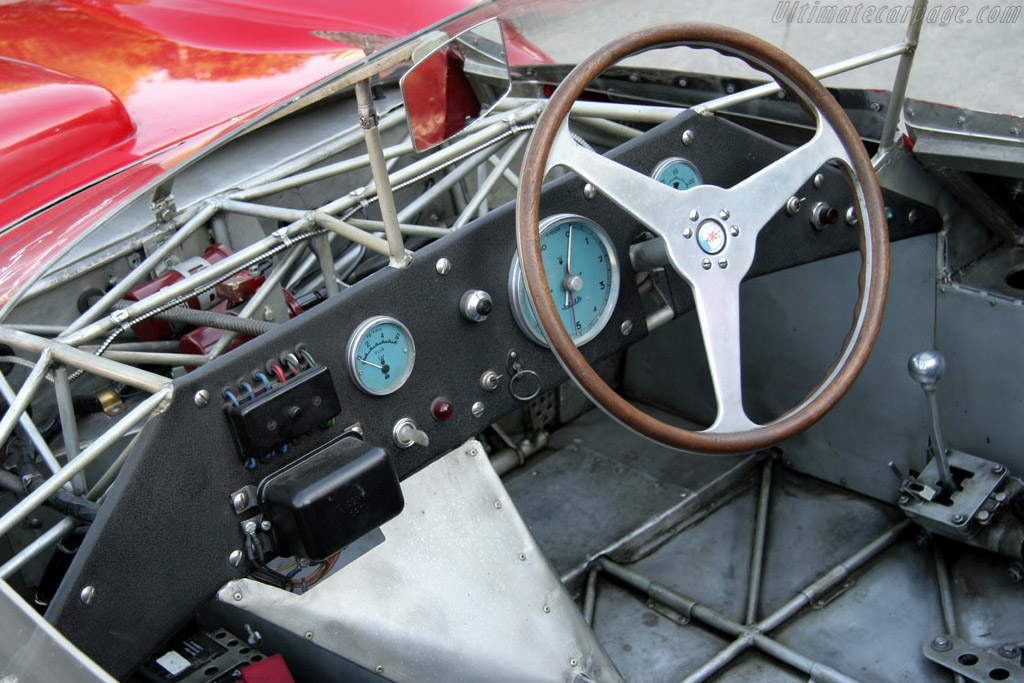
380, 355
583, 277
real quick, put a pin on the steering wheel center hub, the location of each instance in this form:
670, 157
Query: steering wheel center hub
711, 236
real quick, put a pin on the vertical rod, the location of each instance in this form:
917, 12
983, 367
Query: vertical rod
375, 150
36, 547
940, 444
25, 393
323, 253
489, 182
757, 554
30, 428
899, 85
945, 596
68, 423
33, 500
140, 271
590, 596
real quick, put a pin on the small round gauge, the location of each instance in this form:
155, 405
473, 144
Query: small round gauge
583, 277
380, 355
678, 173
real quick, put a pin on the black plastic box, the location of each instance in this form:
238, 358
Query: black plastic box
328, 499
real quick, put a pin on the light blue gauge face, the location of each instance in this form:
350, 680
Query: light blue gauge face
380, 355
677, 173
583, 278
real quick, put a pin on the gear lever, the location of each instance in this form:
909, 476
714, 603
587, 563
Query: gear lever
926, 368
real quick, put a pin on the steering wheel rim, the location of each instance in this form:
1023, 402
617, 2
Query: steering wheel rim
740, 434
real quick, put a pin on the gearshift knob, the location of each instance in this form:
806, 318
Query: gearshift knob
926, 368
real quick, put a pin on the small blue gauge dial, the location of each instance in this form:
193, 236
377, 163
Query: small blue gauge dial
677, 173
583, 278
380, 354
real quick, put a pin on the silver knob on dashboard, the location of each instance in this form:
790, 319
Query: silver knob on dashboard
476, 305
926, 368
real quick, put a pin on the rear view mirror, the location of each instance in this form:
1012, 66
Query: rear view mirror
455, 84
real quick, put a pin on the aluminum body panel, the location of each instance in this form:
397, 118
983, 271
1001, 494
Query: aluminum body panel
459, 591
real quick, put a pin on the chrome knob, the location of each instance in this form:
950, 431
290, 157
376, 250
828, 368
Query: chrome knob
926, 368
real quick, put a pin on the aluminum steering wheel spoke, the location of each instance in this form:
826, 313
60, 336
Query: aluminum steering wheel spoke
655, 205
755, 200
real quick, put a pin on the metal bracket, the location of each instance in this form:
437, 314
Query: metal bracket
975, 663
162, 203
243, 499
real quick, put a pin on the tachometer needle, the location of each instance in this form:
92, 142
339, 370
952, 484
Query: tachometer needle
379, 367
568, 266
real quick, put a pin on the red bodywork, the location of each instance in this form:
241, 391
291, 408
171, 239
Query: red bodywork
102, 97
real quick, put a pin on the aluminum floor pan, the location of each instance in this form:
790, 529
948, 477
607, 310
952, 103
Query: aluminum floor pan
582, 497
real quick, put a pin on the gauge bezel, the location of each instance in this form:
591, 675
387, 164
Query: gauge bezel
665, 163
351, 352
518, 298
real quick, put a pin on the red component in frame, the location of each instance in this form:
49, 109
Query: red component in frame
153, 330
270, 670
240, 286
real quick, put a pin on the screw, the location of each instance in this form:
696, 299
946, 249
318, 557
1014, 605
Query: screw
202, 398
904, 500
546, 609
237, 596
1016, 572
687, 137
265, 525
687, 232
497, 505
626, 327
240, 501
473, 452
572, 662
682, 82
706, 263
268, 314
998, 469
1008, 651
912, 216
522, 557
819, 180
249, 527
724, 214
87, 594
477, 409
443, 266
941, 644
723, 262
960, 120
984, 516
734, 230
379, 669
589, 191
235, 558
694, 215
875, 106
308, 635
959, 519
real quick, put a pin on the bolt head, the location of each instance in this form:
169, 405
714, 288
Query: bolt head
941, 644
904, 500
959, 519
819, 180
723, 262
266, 525
202, 398
734, 230
998, 469
626, 327
87, 594
235, 558
687, 233
706, 264
724, 214
443, 266
589, 191
240, 501
694, 215
477, 409
687, 137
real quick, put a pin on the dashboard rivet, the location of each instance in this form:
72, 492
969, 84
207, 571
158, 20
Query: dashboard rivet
706, 263
589, 191
912, 216
626, 327
851, 216
687, 233
819, 180
687, 137
694, 215
959, 519
202, 398
477, 409
723, 262
87, 594
734, 230
724, 214
235, 558
443, 266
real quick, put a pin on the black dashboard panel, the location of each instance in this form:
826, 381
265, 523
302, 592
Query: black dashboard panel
160, 546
